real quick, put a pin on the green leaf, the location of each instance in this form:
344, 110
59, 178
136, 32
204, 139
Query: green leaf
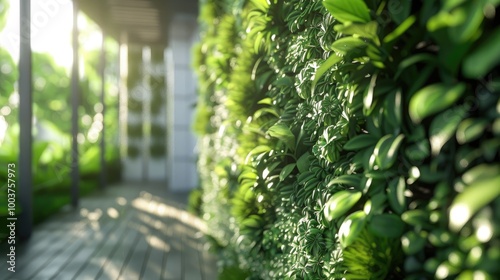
369, 96
256, 151
393, 110
470, 129
352, 226
479, 172
399, 10
253, 221
38, 150
266, 101
475, 196
467, 30
396, 195
445, 19
400, 30
413, 242
483, 58
286, 171
340, 203
352, 180
412, 60
386, 225
360, 142
303, 162
433, 99
347, 44
348, 10
283, 132
450, 4
386, 150
366, 30
416, 217
443, 127
332, 60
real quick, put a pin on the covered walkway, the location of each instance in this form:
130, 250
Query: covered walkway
126, 231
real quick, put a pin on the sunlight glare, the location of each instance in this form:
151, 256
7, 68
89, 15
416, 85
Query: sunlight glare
113, 213
3, 128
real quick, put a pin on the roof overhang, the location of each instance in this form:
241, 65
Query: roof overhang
144, 22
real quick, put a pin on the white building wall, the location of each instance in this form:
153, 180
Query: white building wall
182, 174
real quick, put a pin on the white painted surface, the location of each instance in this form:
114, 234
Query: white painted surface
181, 166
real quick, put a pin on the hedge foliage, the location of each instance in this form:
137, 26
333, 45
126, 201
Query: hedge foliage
351, 139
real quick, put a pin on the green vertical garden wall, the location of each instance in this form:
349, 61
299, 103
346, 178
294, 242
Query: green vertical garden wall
350, 139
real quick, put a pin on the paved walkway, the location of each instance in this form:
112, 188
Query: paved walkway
124, 232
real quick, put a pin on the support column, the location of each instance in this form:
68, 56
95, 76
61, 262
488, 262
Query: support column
123, 98
75, 95
25, 178
103, 112
146, 111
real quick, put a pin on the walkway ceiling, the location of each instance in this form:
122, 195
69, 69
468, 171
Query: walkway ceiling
143, 21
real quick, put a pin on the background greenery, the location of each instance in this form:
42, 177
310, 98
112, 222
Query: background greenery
52, 130
350, 139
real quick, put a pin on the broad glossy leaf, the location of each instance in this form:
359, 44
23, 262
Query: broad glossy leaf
286, 171
443, 127
470, 129
418, 151
386, 225
482, 59
479, 172
470, 26
256, 151
283, 132
303, 162
399, 10
413, 242
360, 142
348, 10
396, 195
332, 60
475, 196
352, 226
340, 203
393, 110
366, 30
352, 180
369, 96
416, 217
378, 203
386, 150
433, 99
347, 44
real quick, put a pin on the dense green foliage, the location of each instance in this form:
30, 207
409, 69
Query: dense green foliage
353, 139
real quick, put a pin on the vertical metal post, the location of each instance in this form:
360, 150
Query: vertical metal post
123, 98
75, 172
168, 58
25, 120
146, 111
103, 112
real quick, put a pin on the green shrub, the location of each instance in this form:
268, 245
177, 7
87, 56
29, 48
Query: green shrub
351, 139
